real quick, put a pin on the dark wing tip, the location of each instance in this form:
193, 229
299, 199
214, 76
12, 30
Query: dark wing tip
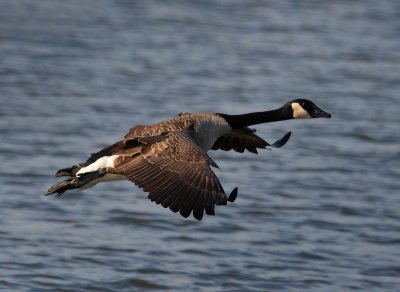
282, 141
232, 197
198, 214
185, 212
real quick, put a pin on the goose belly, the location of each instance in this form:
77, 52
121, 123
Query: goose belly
106, 178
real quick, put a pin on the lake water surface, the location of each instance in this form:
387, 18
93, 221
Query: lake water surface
320, 214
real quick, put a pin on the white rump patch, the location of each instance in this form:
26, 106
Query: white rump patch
299, 112
103, 162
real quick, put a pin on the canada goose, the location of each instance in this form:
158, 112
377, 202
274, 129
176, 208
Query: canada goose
168, 160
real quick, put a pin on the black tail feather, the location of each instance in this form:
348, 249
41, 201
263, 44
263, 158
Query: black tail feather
75, 182
63, 186
69, 171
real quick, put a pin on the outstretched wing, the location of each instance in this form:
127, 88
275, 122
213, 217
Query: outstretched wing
245, 139
240, 140
176, 173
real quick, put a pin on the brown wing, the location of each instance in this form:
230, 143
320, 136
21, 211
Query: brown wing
120, 147
126, 147
176, 173
136, 131
239, 140
155, 129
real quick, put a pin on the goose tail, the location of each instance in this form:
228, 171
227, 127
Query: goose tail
83, 181
61, 187
69, 171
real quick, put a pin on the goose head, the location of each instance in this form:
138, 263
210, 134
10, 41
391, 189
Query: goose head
305, 109
294, 109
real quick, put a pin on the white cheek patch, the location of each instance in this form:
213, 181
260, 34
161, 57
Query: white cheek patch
299, 112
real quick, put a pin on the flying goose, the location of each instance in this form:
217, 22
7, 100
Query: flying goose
169, 160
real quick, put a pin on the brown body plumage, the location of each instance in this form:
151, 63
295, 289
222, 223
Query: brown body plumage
169, 160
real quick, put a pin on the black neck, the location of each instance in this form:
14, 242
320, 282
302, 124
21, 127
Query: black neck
245, 120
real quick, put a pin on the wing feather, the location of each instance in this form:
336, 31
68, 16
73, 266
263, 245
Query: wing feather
240, 140
244, 139
176, 173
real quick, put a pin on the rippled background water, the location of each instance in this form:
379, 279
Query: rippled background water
320, 214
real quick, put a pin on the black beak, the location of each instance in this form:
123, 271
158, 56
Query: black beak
319, 113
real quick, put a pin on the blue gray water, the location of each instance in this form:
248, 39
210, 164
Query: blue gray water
320, 214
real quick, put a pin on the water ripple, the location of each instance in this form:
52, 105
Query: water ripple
320, 214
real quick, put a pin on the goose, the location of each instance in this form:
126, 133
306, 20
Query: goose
169, 159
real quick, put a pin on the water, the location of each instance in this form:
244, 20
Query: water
320, 214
